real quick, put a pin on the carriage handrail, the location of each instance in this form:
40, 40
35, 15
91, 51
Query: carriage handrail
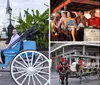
31, 32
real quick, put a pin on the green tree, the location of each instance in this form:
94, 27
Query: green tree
35, 18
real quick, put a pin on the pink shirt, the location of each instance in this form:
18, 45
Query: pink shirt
13, 38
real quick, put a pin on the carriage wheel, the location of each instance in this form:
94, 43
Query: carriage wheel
98, 74
80, 78
32, 68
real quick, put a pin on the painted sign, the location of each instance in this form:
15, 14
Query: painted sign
91, 34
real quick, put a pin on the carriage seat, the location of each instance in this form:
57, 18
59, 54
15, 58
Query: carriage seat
29, 45
13, 51
26, 45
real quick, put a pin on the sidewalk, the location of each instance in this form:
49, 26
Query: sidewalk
2, 44
54, 75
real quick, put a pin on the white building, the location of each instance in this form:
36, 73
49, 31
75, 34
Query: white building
6, 21
72, 51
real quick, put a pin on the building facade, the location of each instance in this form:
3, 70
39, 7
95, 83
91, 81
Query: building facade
73, 51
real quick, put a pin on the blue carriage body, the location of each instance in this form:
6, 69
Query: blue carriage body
10, 53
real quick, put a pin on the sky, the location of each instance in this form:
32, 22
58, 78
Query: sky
21, 5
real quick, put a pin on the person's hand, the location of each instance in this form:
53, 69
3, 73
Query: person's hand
6, 47
99, 27
72, 26
94, 26
77, 29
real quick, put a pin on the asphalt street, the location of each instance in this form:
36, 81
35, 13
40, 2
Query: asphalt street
74, 81
6, 79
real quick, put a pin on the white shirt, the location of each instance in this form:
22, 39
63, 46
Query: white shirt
73, 66
13, 38
93, 64
81, 25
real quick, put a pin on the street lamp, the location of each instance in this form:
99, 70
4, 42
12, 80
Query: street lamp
10, 27
46, 5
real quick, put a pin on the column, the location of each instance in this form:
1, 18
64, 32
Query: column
56, 59
63, 52
70, 60
83, 50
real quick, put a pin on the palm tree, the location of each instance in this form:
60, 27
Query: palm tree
36, 18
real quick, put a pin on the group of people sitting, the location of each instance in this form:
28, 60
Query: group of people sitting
72, 23
81, 64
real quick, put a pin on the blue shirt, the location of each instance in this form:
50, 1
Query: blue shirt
71, 23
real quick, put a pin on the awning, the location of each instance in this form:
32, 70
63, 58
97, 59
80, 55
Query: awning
75, 5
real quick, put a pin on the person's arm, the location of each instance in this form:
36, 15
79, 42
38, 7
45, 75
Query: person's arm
59, 24
56, 26
98, 22
9, 43
87, 22
13, 40
67, 24
68, 67
74, 23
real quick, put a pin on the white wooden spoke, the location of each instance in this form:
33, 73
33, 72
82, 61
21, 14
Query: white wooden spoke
42, 77
33, 80
36, 60
24, 79
29, 80
19, 67
41, 63
38, 79
24, 61
44, 72
20, 64
42, 68
32, 58
21, 76
19, 72
47, 83
27, 58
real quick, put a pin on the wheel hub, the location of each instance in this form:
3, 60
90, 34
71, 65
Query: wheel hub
31, 70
